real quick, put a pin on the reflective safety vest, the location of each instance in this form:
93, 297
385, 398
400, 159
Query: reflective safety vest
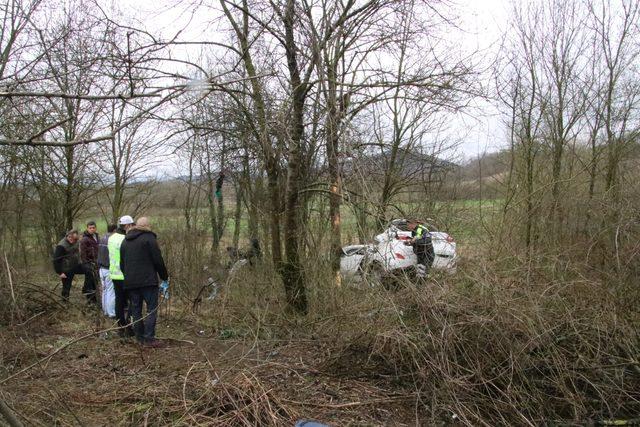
114, 243
422, 235
421, 231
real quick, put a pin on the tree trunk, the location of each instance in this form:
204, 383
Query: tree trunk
237, 216
335, 185
244, 191
69, 190
212, 215
292, 271
220, 221
274, 216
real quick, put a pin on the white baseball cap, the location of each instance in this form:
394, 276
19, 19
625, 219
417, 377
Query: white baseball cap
126, 220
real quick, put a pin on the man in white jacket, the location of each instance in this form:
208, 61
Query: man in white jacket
108, 293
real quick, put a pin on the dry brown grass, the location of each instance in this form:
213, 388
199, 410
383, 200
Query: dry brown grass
500, 349
500, 344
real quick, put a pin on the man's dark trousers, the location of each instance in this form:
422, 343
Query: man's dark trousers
424, 253
145, 330
89, 287
121, 304
66, 283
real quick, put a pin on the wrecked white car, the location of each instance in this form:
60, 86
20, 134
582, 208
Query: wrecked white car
391, 254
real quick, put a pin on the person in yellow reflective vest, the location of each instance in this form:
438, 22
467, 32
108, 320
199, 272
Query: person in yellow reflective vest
422, 246
114, 243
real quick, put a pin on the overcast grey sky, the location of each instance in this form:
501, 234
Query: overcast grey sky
484, 23
481, 25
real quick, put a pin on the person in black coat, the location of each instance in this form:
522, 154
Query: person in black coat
141, 263
66, 261
422, 246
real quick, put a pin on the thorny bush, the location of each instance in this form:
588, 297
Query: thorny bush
499, 348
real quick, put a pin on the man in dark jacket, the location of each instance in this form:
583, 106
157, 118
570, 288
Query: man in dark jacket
141, 262
89, 256
66, 261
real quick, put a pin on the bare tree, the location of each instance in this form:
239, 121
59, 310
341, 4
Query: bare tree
258, 118
523, 99
616, 31
561, 55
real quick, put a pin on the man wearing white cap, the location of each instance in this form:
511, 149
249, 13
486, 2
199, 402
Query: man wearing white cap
114, 244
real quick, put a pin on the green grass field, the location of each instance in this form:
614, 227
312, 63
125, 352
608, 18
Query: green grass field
463, 219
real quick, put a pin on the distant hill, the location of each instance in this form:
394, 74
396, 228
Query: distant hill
409, 163
485, 165
482, 176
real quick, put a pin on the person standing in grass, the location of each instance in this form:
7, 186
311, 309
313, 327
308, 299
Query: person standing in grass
142, 263
114, 245
422, 246
89, 258
66, 261
108, 294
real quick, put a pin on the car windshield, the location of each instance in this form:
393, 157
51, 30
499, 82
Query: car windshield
353, 250
401, 224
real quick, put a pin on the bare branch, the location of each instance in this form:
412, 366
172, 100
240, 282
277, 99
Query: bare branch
49, 95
